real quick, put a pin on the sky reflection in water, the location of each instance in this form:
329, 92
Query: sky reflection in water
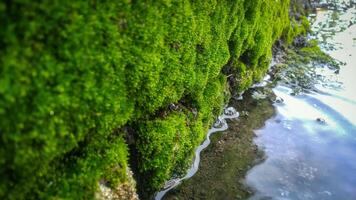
307, 159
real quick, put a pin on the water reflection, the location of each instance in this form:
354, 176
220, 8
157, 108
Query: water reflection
310, 144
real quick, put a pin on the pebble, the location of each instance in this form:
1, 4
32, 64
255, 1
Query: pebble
321, 120
244, 113
279, 100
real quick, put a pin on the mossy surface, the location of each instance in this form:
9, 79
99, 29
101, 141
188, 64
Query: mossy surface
313, 54
231, 154
299, 68
73, 73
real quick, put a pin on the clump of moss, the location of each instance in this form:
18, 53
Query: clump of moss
296, 28
312, 53
166, 143
163, 143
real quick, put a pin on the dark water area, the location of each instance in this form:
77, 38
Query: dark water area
310, 144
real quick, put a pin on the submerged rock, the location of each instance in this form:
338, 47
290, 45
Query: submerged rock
244, 113
219, 122
257, 95
230, 111
170, 183
321, 120
279, 100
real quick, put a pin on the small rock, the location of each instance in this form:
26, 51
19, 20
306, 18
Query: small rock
279, 100
219, 122
258, 95
170, 183
244, 113
230, 111
173, 106
321, 120
195, 112
300, 42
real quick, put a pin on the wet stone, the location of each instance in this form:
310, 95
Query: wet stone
219, 123
170, 183
279, 100
321, 120
258, 95
173, 106
230, 111
244, 113
278, 121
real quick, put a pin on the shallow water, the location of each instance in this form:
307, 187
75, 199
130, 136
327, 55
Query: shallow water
310, 144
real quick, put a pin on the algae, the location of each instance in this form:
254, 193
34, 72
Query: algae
298, 69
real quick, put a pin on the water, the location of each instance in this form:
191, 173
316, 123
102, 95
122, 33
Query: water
310, 144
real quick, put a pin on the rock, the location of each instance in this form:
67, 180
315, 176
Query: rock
300, 42
258, 95
173, 106
230, 111
279, 100
126, 190
244, 113
195, 112
170, 183
321, 120
219, 122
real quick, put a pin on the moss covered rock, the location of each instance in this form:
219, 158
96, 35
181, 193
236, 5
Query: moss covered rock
73, 73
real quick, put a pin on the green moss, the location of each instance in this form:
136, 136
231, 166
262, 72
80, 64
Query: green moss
260, 25
73, 72
296, 28
165, 144
299, 69
104, 160
312, 52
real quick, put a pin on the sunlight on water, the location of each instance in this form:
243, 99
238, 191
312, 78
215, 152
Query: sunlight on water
310, 145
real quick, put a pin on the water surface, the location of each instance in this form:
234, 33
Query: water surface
310, 144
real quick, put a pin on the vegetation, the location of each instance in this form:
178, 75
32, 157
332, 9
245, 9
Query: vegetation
298, 71
73, 73
312, 53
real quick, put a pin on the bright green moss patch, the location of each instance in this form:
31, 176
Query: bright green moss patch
163, 143
296, 28
72, 73
103, 160
166, 143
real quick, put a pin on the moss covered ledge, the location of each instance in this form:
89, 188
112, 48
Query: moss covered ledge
72, 74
